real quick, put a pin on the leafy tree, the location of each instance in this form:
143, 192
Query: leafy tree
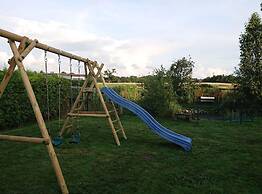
221, 78
181, 75
110, 75
158, 97
250, 67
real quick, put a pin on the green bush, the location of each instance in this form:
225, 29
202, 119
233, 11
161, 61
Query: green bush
236, 101
181, 77
131, 92
158, 97
15, 107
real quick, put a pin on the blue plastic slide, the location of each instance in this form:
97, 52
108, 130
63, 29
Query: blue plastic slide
183, 141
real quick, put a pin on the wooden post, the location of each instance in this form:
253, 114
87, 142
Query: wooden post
103, 103
39, 118
11, 68
116, 114
73, 108
87, 114
35, 140
92, 84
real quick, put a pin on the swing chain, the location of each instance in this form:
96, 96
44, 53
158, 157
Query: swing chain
78, 84
59, 90
47, 87
78, 88
71, 83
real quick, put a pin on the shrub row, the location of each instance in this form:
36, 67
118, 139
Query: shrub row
15, 107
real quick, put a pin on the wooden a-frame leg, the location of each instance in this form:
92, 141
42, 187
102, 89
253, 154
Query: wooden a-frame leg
73, 107
78, 98
11, 68
92, 84
39, 118
103, 104
114, 107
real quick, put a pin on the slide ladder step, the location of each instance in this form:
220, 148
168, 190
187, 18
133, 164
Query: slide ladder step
87, 114
89, 90
115, 120
118, 130
68, 126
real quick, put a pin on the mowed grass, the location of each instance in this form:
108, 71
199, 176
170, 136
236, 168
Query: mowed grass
226, 158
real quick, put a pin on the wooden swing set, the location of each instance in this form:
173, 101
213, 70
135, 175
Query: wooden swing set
92, 73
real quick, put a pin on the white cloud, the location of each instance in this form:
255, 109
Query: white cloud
201, 71
119, 54
134, 39
3, 59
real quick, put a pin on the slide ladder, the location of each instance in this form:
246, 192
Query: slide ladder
113, 114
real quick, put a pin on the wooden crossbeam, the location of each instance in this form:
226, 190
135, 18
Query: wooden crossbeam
16, 37
35, 140
91, 112
87, 115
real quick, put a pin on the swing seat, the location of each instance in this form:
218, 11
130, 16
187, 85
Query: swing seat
57, 141
75, 138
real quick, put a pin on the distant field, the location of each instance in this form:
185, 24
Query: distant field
223, 86
219, 85
124, 83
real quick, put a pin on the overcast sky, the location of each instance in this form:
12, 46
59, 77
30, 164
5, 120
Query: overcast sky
134, 37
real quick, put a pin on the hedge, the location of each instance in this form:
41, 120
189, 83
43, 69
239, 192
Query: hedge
15, 107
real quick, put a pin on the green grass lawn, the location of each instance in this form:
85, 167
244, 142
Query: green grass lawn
226, 158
